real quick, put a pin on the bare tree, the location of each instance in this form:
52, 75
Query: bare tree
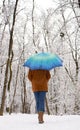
79, 3
8, 71
33, 26
75, 56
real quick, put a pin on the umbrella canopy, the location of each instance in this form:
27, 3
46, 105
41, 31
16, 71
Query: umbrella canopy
43, 61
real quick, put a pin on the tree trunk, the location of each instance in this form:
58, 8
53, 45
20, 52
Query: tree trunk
9, 62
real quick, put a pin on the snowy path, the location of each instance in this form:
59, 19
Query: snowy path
29, 122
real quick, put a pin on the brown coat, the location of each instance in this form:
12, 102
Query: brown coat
39, 79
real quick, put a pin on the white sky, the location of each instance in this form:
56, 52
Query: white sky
45, 3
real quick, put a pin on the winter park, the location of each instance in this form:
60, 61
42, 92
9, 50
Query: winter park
40, 64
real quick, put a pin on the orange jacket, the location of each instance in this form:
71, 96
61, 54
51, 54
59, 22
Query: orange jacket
39, 79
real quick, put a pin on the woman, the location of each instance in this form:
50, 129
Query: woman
39, 80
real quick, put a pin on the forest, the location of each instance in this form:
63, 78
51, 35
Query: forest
26, 28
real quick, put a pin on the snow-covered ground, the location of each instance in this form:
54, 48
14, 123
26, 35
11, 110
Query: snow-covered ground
29, 122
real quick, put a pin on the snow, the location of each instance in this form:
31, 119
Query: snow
30, 122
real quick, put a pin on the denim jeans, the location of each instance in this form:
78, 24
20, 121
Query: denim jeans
40, 100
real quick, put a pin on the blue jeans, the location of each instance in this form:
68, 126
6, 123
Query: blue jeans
40, 100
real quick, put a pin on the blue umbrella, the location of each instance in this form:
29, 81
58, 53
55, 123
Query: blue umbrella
43, 61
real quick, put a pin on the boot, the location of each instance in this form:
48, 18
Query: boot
40, 117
